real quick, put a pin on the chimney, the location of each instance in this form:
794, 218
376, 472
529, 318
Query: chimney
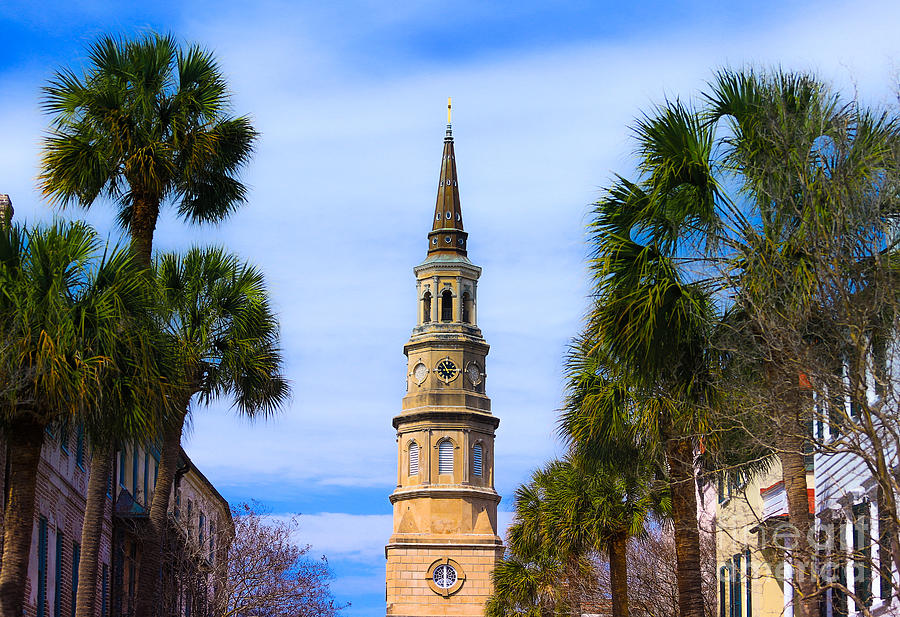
6, 210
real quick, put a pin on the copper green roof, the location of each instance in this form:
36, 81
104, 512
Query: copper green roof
447, 235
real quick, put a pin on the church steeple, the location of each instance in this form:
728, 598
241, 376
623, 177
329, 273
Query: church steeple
444, 543
447, 236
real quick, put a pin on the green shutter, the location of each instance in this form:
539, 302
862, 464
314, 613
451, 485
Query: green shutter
57, 597
76, 560
862, 552
42, 568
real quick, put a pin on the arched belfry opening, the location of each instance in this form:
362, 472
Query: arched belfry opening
447, 305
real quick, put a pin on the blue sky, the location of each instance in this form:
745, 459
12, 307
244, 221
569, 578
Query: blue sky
349, 98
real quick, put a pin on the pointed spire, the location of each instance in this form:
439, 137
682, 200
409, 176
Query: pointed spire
447, 235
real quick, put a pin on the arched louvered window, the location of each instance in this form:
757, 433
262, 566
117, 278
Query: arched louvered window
413, 459
447, 305
445, 457
477, 460
426, 307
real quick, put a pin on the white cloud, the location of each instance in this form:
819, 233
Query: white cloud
340, 536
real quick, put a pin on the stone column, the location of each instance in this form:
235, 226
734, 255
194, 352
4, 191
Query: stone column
436, 300
474, 315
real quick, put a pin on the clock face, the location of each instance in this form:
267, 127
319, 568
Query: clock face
420, 372
446, 370
444, 576
473, 371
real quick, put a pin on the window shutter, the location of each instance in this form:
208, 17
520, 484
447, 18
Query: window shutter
445, 457
413, 459
477, 458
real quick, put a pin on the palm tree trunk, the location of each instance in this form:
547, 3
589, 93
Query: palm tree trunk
793, 467
682, 482
618, 574
148, 582
143, 224
25, 440
92, 530
791, 421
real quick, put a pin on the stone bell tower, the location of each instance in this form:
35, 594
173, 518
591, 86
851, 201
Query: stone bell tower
444, 544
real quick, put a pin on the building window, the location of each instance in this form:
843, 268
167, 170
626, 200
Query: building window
42, 567
884, 550
839, 603
122, 469
64, 438
724, 488
57, 575
177, 503
477, 462
413, 459
445, 457
447, 305
748, 566
466, 307
723, 576
426, 307
134, 472
76, 560
862, 553
104, 590
736, 586
212, 540
200, 531
146, 494
79, 448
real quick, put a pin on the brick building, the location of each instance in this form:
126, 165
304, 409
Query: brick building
200, 519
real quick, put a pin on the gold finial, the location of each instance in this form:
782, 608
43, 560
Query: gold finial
448, 109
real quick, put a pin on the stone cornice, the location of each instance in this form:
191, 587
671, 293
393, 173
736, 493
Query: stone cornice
464, 266
435, 414
450, 492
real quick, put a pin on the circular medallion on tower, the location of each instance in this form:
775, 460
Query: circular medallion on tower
420, 372
446, 370
473, 372
445, 577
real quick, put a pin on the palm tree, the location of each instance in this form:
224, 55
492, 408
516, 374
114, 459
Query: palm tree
602, 422
536, 586
147, 124
61, 309
569, 511
651, 323
134, 402
803, 159
215, 312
